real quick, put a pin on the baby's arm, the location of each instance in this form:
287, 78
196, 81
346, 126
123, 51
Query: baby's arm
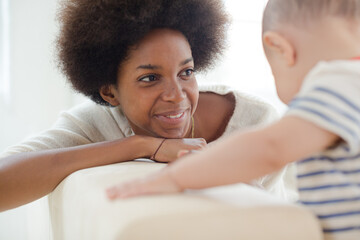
242, 157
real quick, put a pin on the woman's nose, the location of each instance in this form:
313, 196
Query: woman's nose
174, 91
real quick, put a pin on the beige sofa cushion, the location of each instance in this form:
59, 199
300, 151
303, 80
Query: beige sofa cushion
80, 210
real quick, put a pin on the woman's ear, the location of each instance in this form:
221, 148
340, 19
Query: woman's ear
108, 93
277, 44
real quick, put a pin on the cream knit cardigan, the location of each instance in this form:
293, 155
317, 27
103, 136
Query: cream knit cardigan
91, 123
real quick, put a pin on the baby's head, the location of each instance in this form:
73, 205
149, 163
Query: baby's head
297, 34
301, 13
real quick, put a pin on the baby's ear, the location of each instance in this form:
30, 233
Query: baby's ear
278, 44
108, 93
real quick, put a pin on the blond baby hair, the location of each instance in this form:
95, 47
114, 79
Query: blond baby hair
302, 12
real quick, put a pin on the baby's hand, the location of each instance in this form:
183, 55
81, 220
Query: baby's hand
158, 183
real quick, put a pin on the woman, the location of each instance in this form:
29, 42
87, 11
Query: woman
136, 60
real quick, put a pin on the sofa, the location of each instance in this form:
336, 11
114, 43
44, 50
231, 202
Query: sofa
79, 209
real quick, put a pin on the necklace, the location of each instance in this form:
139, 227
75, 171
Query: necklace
192, 127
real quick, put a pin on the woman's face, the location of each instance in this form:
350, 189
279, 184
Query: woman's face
156, 86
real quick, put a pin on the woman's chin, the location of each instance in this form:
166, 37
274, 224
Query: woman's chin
173, 135
180, 130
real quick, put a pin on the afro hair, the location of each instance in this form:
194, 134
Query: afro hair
96, 35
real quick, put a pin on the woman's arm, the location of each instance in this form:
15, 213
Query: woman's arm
25, 177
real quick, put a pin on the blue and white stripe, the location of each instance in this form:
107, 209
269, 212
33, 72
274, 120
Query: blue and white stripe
329, 182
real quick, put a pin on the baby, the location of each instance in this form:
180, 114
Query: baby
313, 47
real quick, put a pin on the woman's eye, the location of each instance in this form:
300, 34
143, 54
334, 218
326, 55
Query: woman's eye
148, 78
187, 72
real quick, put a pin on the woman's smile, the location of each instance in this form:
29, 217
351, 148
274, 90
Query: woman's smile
174, 118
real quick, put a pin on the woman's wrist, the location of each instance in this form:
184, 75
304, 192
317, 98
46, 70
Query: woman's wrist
145, 145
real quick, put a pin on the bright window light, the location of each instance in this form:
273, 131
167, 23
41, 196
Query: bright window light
4, 51
245, 59
244, 65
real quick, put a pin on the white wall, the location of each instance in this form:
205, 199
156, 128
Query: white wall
38, 92
244, 65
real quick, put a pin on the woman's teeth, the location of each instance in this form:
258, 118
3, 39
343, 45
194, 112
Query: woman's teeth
175, 116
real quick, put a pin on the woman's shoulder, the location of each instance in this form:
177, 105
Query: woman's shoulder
93, 117
91, 111
242, 98
216, 95
85, 113
248, 110
213, 113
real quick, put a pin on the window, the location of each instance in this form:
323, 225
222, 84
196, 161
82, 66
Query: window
4, 51
244, 65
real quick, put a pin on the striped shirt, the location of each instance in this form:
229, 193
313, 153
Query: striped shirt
329, 182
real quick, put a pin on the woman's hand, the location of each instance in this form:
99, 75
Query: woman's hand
160, 182
169, 150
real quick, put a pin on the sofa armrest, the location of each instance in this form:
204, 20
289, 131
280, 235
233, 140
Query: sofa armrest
79, 209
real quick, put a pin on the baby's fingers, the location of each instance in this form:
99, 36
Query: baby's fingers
154, 184
182, 153
125, 190
112, 193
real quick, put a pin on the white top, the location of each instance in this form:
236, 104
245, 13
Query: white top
90, 123
329, 182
